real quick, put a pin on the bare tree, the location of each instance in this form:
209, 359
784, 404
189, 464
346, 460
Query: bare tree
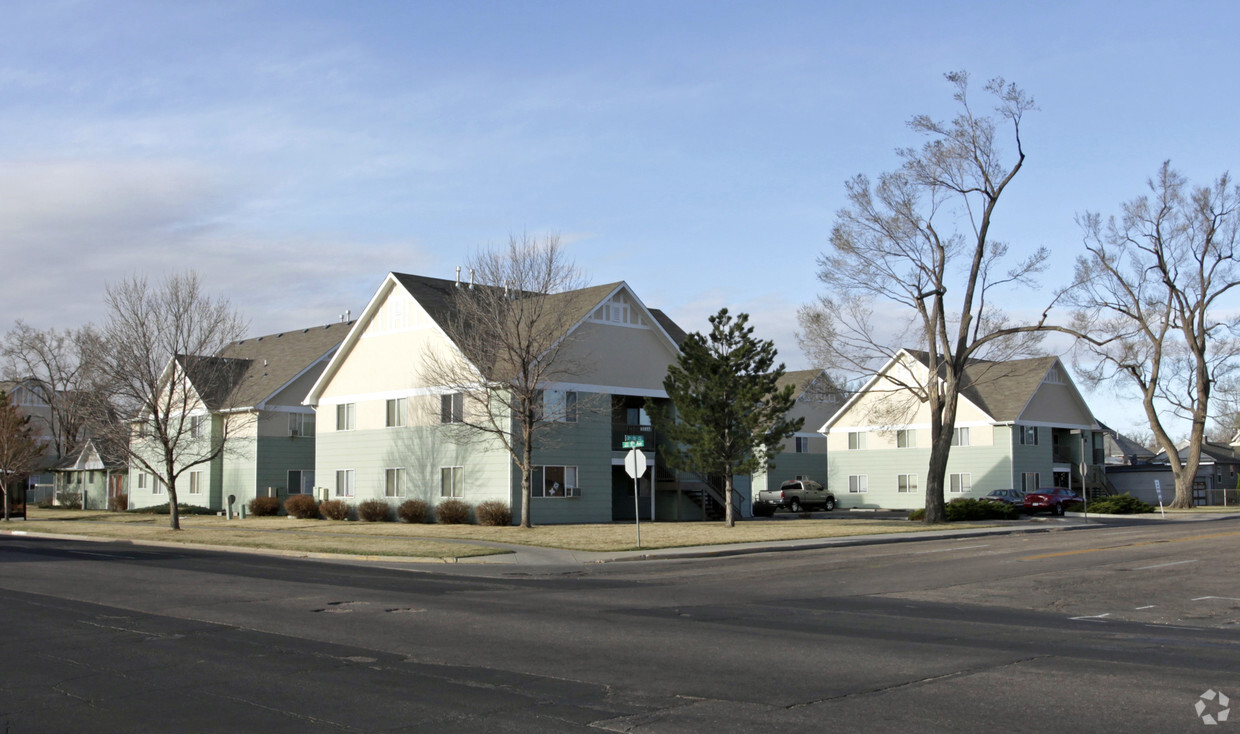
59, 374
919, 244
1150, 305
156, 356
20, 450
511, 326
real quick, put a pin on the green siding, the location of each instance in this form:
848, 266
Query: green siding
277, 455
586, 445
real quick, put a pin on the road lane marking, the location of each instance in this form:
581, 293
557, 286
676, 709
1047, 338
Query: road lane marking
1164, 565
1151, 606
1092, 617
1225, 598
946, 550
1127, 545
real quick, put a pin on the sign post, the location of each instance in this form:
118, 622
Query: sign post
635, 465
1158, 491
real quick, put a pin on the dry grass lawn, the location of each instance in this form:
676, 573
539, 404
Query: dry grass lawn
441, 541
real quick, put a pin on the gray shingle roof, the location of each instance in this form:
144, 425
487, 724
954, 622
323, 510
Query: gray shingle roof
249, 371
1001, 389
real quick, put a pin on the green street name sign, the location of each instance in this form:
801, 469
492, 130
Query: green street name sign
634, 442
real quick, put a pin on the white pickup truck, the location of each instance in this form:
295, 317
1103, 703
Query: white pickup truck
797, 495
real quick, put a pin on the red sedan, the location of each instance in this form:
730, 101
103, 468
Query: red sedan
1055, 500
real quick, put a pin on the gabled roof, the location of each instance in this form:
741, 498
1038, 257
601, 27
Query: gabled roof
1211, 453
1000, 389
248, 372
438, 297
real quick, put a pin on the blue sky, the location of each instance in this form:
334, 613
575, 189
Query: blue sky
295, 152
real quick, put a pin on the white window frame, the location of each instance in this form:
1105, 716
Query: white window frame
568, 475
1026, 485
906, 438
906, 483
960, 436
858, 483
394, 413
452, 407
960, 483
1028, 435
195, 482
346, 417
451, 482
301, 486
394, 482
301, 425
142, 479
158, 486
801, 444
195, 425
345, 483
856, 440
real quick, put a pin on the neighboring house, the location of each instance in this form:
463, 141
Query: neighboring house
1121, 450
272, 451
1216, 482
96, 474
1019, 424
28, 396
381, 425
804, 455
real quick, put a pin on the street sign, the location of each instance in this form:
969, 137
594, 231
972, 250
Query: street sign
635, 463
634, 442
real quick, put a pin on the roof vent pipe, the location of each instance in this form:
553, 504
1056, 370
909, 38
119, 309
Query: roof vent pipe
471, 277
348, 315
458, 276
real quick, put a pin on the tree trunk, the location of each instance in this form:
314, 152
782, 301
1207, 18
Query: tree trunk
728, 519
936, 473
527, 465
4, 488
174, 513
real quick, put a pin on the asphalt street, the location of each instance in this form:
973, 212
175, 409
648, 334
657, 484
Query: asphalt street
1119, 628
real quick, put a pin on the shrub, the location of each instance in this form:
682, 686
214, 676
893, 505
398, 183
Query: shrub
45, 504
413, 511
452, 512
1120, 504
374, 511
966, 508
70, 500
118, 503
302, 506
334, 509
493, 513
264, 506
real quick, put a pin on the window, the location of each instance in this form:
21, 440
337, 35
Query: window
157, 486
196, 423
802, 444
906, 483
301, 424
960, 437
452, 408
195, 482
856, 440
344, 483
906, 439
556, 405
451, 481
554, 481
300, 481
1028, 435
395, 414
858, 483
142, 479
346, 417
1030, 481
961, 483
394, 483
1054, 376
